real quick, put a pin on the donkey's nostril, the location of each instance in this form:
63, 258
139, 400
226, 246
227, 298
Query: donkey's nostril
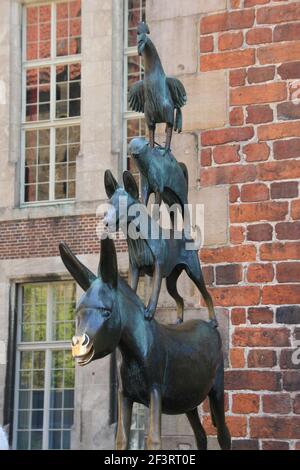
86, 340
74, 340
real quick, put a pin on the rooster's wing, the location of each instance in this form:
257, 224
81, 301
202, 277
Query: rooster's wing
177, 91
136, 97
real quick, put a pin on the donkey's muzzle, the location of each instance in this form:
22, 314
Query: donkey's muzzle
82, 349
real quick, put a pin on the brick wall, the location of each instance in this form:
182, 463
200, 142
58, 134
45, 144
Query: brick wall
40, 237
257, 155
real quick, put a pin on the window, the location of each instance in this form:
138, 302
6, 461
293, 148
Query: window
134, 124
45, 372
51, 100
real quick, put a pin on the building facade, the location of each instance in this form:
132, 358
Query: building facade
65, 70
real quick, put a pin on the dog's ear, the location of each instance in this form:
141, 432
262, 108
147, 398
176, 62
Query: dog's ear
110, 183
130, 185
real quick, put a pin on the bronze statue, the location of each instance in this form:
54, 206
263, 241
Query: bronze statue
160, 174
164, 256
157, 96
170, 369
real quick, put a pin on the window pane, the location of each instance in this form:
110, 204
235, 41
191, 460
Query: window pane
65, 168
68, 90
68, 28
38, 32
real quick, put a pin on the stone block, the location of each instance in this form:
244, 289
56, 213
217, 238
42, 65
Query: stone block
159, 11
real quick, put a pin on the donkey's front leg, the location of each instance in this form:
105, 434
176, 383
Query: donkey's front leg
154, 437
156, 285
124, 421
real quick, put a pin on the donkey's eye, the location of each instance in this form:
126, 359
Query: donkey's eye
106, 313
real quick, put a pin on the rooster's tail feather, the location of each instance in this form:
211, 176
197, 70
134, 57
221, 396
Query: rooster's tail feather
178, 121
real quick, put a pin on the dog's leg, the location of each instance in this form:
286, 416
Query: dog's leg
152, 135
194, 272
156, 285
197, 427
169, 132
172, 289
154, 437
134, 277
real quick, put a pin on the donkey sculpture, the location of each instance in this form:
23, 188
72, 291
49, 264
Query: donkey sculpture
170, 369
162, 257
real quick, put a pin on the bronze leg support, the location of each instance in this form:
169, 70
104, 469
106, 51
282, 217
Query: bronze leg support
134, 278
169, 132
156, 285
152, 136
124, 422
154, 437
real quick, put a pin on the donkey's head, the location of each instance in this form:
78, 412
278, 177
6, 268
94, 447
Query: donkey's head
98, 321
120, 201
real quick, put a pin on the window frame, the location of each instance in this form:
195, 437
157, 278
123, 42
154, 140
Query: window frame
47, 346
53, 122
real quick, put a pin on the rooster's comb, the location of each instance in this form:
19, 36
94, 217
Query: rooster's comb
143, 28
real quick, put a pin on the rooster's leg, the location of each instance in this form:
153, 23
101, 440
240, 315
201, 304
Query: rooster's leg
169, 131
152, 136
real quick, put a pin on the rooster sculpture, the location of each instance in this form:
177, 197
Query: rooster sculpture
159, 97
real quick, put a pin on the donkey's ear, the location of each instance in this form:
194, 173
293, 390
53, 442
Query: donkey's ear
111, 184
130, 185
80, 273
108, 266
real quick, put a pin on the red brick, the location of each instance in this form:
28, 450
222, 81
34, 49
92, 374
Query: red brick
275, 445
261, 358
208, 274
260, 74
280, 252
236, 254
237, 358
227, 174
288, 110
259, 232
296, 404
236, 117
236, 296
224, 136
260, 315
279, 130
256, 94
238, 316
234, 193
278, 170
237, 235
245, 403
255, 212
227, 21
252, 3
259, 114
287, 149
230, 41
259, 36
237, 77
287, 189
295, 209
237, 426
255, 192
244, 444
252, 380
226, 154
289, 70
275, 427
261, 337
279, 53
281, 294
291, 380
287, 360
287, 32
227, 60
229, 274
277, 404
256, 152
206, 157
206, 44
260, 273
288, 272
288, 231
278, 14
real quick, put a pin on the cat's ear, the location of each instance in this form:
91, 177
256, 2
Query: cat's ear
130, 185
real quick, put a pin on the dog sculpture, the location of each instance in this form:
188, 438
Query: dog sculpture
170, 369
162, 256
